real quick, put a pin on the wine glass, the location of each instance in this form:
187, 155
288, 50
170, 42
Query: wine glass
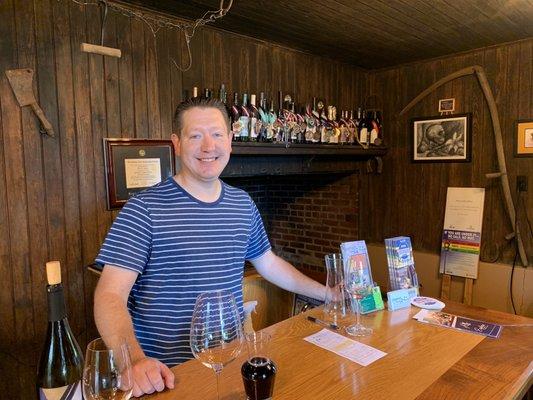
107, 371
359, 285
216, 331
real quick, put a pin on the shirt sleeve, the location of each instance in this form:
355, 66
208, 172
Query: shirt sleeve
129, 241
258, 243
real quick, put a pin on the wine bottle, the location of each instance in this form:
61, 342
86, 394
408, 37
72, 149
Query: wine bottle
254, 119
195, 92
374, 127
364, 129
236, 126
61, 364
245, 119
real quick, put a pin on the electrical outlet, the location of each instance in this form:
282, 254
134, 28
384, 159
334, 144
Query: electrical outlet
521, 183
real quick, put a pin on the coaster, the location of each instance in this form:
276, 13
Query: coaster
427, 303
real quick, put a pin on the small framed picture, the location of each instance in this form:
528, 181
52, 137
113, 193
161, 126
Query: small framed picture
446, 105
442, 139
524, 138
132, 165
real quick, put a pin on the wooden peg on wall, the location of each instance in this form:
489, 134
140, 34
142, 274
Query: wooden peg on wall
103, 50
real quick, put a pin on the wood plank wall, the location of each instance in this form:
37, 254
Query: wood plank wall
409, 199
52, 193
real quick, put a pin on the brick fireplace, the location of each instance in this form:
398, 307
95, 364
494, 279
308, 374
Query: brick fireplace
306, 216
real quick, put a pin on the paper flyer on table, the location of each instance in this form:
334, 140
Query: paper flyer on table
354, 351
457, 322
461, 237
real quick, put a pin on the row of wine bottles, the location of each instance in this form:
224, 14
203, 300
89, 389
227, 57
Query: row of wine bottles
265, 121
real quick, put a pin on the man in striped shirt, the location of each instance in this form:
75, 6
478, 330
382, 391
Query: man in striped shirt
187, 235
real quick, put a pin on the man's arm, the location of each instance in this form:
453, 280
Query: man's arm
278, 271
113, 320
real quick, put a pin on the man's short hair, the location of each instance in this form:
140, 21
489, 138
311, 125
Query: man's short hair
177, 122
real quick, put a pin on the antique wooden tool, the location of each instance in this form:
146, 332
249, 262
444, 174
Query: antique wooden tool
479, 72
21, 81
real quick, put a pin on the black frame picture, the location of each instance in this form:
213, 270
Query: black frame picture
442, 138
132, 165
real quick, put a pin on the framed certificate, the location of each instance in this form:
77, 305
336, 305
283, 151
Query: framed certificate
132, 165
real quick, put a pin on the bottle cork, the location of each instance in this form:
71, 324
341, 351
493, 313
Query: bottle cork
53, 272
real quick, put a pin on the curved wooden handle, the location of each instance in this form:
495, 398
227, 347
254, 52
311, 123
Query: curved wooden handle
46, 124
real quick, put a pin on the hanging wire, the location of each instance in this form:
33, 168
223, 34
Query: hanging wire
155, 23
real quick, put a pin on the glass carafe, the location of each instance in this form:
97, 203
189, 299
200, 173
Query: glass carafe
335, 301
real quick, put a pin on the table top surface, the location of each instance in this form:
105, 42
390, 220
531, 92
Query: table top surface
422, 362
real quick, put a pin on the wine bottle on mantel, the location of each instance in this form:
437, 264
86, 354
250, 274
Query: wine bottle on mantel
61, 364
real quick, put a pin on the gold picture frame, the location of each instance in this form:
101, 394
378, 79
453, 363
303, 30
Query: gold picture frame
524, 138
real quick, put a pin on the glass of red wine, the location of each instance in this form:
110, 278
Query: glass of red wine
259, 371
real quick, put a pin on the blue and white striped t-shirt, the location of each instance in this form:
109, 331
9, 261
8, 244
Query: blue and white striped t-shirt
181, 247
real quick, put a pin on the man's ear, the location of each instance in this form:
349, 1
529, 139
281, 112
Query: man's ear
176, 143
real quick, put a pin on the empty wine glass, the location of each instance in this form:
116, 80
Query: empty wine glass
359, 284
107, 371
216, 331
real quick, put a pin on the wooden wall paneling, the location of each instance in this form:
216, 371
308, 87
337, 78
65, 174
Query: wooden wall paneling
152, 89
174, 52
68, 151
208, 61
525, 111
217, 63
10, 159
303, 86
33, 224
263, 71
251, 58
139, 78
245, 69
488, 164
276, 79
194, 76
85, 149
288, 74
229, 66
503, 226
125, 73
97, 95
164, 82
112, 79
17, 198
53, 187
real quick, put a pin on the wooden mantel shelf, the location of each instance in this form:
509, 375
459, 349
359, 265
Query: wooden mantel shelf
264, 159
281, 149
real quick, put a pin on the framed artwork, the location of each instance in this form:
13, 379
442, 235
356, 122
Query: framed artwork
132, 165
524, 138
446, 105
442, 138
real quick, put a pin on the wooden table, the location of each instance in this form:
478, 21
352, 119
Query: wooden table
423, 362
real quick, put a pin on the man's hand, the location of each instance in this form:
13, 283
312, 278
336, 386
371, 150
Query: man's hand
151, 375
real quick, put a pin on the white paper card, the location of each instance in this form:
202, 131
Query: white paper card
354, 351
142, 172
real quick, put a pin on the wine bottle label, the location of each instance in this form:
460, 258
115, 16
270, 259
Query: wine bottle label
253, 127
236, 128
373, 135
363, 135
70, 392
244, 120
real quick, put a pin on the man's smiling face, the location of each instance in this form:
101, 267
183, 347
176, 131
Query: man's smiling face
204, 144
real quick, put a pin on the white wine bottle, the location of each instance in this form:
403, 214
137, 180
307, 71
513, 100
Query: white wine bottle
61, 364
